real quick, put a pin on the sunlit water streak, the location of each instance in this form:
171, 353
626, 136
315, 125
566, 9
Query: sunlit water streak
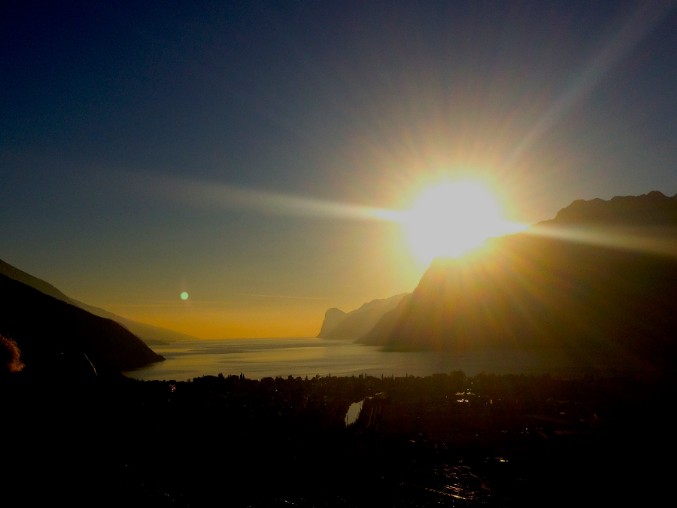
353, 412
310, 357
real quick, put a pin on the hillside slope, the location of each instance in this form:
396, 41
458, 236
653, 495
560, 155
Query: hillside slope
591, 288
148, 333
51, 333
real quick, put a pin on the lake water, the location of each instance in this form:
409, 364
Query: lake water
309, 357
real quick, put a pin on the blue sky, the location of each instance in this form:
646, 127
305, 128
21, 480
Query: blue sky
235, 149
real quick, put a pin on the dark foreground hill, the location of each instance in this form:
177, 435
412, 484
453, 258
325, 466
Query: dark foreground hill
149, 334
55, 335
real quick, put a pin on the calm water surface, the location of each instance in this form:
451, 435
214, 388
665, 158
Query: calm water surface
259, 358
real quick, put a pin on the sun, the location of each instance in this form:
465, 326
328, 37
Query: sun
452, 218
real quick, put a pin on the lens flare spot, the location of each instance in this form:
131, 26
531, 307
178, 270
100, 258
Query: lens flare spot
184, 295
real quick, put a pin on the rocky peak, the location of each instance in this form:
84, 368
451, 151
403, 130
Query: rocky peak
651, 209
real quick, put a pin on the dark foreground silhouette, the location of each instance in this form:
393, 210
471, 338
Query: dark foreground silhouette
443, 440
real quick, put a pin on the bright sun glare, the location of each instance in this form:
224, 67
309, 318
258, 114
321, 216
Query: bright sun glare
452, 218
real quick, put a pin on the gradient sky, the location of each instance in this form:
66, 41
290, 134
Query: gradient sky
238, 150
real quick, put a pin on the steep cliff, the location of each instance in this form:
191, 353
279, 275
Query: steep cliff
354, 324
609, 284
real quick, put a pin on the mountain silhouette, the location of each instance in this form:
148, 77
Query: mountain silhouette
56, 336
352, 325
148, 333
652, 209
599, 279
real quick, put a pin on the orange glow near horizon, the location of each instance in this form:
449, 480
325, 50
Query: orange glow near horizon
209, 320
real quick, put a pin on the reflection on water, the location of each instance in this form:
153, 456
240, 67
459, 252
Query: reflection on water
310, 357
354, 412
459, 483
